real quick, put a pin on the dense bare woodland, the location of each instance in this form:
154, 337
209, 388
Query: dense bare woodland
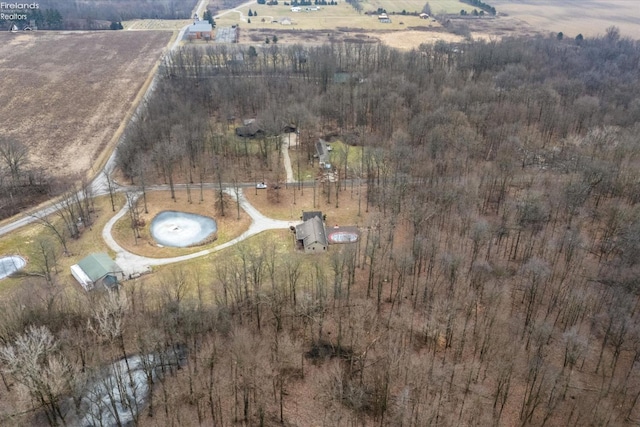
496, 282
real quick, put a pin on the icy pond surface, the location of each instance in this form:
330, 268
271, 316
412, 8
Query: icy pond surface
181, 229
117, 394
117, 397
10, 264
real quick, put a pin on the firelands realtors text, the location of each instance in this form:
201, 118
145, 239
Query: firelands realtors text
13, 8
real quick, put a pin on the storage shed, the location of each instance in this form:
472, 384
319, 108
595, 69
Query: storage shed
97, 270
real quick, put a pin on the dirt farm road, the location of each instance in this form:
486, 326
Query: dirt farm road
286, 141
235, 10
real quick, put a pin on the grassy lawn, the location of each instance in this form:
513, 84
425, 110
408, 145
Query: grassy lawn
203, 272
229, 226
345, 214
25, 242
302, 169
353, 153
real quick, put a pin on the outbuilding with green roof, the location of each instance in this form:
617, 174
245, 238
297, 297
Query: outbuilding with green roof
97, 270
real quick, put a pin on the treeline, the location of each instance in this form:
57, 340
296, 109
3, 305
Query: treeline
356, 4
495, 281
21, 184
98, 14
481, 5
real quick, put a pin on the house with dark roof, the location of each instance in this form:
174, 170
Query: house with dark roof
311, 235
250, 129
306, 216
322, 151
97, 270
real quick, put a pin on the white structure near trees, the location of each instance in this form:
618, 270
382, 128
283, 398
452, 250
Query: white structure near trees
97, 270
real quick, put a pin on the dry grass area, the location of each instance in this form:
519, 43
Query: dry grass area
587, 17
66, 94
413, 38
341, 17
229, 226
410, 38
345, 214
342, 23
156, 24
308, 37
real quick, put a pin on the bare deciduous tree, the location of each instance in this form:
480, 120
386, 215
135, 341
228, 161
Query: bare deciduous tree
15, 156
35, 362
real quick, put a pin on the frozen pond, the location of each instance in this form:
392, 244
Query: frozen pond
115, 395
181, 229
10, 264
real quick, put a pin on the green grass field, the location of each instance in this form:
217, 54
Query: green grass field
354, 155
24, 242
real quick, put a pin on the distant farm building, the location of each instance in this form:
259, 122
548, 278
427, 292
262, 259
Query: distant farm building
200, 30
97, 270
311, 235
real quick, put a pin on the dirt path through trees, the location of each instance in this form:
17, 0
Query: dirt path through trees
286, 141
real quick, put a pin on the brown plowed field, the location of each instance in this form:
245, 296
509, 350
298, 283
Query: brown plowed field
66, 94
587, 17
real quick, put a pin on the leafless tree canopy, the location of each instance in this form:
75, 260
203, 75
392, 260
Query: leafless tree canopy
495, 281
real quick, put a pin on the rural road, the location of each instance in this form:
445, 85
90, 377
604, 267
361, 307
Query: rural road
133, 264
99, 184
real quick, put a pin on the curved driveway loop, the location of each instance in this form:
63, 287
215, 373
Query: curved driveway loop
133, 264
